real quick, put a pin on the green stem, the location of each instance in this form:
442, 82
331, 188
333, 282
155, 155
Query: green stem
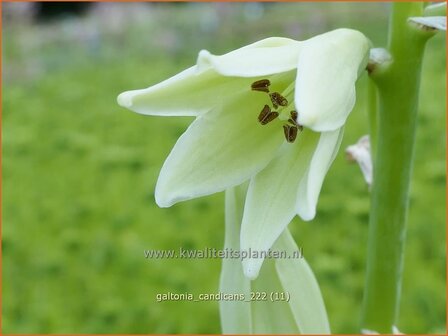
372, 109
398, 89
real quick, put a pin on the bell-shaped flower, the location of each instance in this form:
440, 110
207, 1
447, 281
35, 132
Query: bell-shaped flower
271, 112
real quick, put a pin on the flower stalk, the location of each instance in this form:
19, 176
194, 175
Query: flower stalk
372, 110
398, 84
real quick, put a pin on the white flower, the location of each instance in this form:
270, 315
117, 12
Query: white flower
233, 138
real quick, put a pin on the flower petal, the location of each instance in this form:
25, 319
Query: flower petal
304, 312
195, 90
235, 314
189, 93
297, 279
327, 70
309, 188
246, 317
271, 198
220, 149
271, 317
265, 57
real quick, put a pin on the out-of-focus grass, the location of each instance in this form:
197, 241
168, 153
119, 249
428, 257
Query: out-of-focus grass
79, 175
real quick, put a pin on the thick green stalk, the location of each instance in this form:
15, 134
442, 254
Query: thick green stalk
372, 110
398, 88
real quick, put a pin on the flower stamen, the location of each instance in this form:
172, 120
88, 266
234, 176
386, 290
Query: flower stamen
261, 85
290, 132
293, 120
266, 115
278, 100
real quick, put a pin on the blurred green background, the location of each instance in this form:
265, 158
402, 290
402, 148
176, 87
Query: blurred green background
79, 171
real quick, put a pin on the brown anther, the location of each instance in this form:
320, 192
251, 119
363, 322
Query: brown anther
266, 115
271, 116
290, 133
261, 85
293, 120
278, 100
294, 116
264, 112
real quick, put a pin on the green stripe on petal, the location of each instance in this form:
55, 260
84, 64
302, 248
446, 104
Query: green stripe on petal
266, 57
220, 149
190, 93
327, 70
271, 198
311, 184
297, 279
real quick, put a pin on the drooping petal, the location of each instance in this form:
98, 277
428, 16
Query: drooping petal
304, 312
250, 316
328, 67
235, 315
189, 93
297, 279
269, 56
271, 198
271, 317
311, 183
220, 149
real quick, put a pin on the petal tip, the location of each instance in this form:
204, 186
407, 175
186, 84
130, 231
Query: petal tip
162, 199
308, 216
204, 60
163, 204
251, 274
251, 268
306, 212
125, 99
